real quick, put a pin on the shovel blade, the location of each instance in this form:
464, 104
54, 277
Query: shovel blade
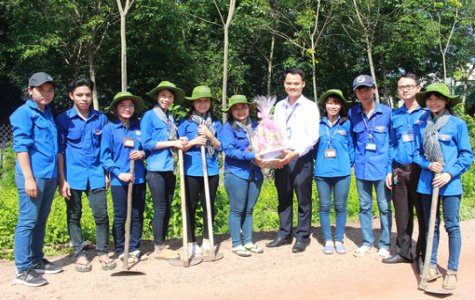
438, 291
208, 257
193, 261
127, 273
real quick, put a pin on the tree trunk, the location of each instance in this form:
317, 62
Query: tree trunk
92, 75
314, 74
232, 5
270, 65
369, 49
123, 53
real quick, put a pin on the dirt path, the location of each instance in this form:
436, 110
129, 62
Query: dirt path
276, 274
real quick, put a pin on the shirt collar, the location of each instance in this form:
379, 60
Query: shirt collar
72, 113
118, 124
287, 103
31, 104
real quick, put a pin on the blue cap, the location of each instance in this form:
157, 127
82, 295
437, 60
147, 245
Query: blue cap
363, 80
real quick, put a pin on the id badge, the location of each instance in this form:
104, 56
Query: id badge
408, 137
329, 153
129, 143
289, 133
371, 146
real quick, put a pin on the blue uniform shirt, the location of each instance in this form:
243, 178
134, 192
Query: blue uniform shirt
115, 157
34, 131
192, 157
341, 142
403, 133
238, 157
458, 157
80, 142
155, 130
370, 163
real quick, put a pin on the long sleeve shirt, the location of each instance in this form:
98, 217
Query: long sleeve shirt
34, 131
80, 143
299, 123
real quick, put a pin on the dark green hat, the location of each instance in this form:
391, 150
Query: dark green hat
326, 94
440, 88
201, 91
167, 85
238, 99
138, 102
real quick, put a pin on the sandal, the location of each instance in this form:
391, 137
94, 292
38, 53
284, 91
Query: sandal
241, 251
107, 265
254, 248
82, 268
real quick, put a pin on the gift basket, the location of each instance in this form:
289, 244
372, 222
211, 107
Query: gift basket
268, 139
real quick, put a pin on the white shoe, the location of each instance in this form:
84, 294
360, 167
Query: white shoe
194, 249
384, 252
363, 250
205, 245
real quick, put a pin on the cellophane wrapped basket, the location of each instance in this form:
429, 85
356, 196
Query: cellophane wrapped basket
268, 138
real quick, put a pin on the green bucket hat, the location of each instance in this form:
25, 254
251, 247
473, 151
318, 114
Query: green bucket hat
238, 99
201, 91
138, 102
326, 94
440, 88
167, 85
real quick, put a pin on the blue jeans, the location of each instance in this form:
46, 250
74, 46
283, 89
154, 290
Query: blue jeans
31, 225
162, 189
119, 197
242, 195
98, 203
340, 187
365, 189
451, 213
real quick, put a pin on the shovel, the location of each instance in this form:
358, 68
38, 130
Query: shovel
185, 260
125, 266
213, 256
430, 240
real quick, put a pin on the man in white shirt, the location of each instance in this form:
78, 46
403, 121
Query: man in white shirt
299, 119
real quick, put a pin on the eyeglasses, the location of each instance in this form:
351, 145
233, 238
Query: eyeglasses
406, 87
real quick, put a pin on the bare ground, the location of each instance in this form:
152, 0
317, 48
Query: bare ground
276, 274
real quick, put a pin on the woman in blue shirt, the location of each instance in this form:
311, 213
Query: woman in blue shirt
445, 151
242, 174
160, 140
201, 128
121, 142
334, 155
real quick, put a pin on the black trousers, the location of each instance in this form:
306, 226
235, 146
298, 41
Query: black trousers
405, 199
295, 177
195, 192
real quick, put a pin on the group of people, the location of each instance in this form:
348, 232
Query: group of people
81, 152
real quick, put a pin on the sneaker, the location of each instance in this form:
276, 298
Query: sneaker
162, 252
47, 267
340, 248
433, 274
205, 245
194, 249
363, 250
134, 256
30, 278
328, 248
450, 281
384, 252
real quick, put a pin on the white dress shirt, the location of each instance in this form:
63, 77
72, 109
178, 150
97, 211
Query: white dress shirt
299, 123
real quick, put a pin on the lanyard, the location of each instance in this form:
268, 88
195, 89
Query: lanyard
290, 115
332, 137
370, 130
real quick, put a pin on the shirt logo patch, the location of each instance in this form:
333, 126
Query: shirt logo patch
138, 132
341, 132
98, 132
444, 137
379, 128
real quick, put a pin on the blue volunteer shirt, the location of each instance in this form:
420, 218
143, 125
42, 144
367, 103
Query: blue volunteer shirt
403, 131
192, 157
155, 130
115, 156
34, 131
455, 144
80, 143
238, 156
337, 137
371, 140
